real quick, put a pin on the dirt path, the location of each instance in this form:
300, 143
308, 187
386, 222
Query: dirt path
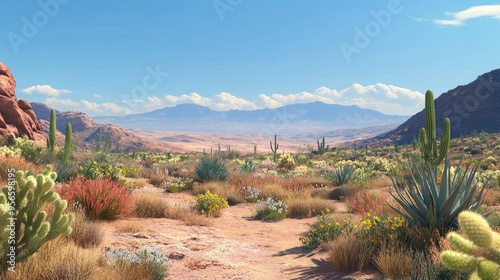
234, 247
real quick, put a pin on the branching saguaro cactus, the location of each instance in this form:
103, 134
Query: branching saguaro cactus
478, 250
321, 147
274, 148
428, 142
30, 229
51, 141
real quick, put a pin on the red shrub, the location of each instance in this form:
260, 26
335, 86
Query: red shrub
362, 203
100, 199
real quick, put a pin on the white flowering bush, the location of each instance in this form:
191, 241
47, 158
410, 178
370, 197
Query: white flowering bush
147, 256
302, 171
379, 164
270, 209
353, 163
178, 184
251, 194
10, 151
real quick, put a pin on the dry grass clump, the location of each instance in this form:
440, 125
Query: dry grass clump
363, 202
189, 215
58, 259
274, 190
380, 183
492, 197
307, 207
148, 205
394, 262
129, 227
156, 179
343, 192
140, 182
232, 194
86, 234
348, 253
18, 164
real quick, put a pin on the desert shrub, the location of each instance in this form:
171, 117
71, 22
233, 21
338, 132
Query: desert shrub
270, 209
251, 194
211, 204
58, 259
234, 195
247, 167
130, 171
149, 205
86, 234
17, 164
145, 262
286, 161
341, 175
212, 169
189, 215
343, 192
29, 150
94, 170
348, 253
379, 230
100, 199
325, 229
178, 184
394, 262
362, 203
307, 207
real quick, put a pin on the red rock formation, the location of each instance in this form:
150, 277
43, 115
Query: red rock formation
16, 117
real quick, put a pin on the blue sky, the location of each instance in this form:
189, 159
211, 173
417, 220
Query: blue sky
120, 57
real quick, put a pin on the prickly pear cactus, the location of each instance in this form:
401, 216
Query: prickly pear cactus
21, 208
479, 249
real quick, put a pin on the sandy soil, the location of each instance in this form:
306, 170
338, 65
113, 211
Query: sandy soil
234, 247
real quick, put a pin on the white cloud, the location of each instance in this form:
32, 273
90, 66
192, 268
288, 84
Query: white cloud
45, 89
459, 18
388, 99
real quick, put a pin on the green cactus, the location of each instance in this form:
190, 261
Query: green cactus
51, 141
321, 147
479, 249
68, 142
30, 230
274, 148
427, 135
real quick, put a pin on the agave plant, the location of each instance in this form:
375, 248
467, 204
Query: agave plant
341, 175
434, 205
212, 169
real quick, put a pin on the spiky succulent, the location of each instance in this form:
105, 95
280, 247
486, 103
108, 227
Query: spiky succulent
434, 205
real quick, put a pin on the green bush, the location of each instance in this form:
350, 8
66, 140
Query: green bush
94, 170
324, 230
211, 204
212, 169
130, 171
341, 175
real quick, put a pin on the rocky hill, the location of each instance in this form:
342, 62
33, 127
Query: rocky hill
17, 118
471, 107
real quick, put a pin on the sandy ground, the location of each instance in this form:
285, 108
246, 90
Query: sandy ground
234, 247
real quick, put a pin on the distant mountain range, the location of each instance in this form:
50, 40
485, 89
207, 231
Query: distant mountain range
471, 107
289, 120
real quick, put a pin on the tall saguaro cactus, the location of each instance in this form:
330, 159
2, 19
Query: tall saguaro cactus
428, 142
68, 143
274, 148
28, 226
51, 142
321, 147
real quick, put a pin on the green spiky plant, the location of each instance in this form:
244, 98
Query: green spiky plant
24, 201
434, 205
423, 199
427, 135
478, 250
51, 141
274, 148
68, 142
321, 147
212, 169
